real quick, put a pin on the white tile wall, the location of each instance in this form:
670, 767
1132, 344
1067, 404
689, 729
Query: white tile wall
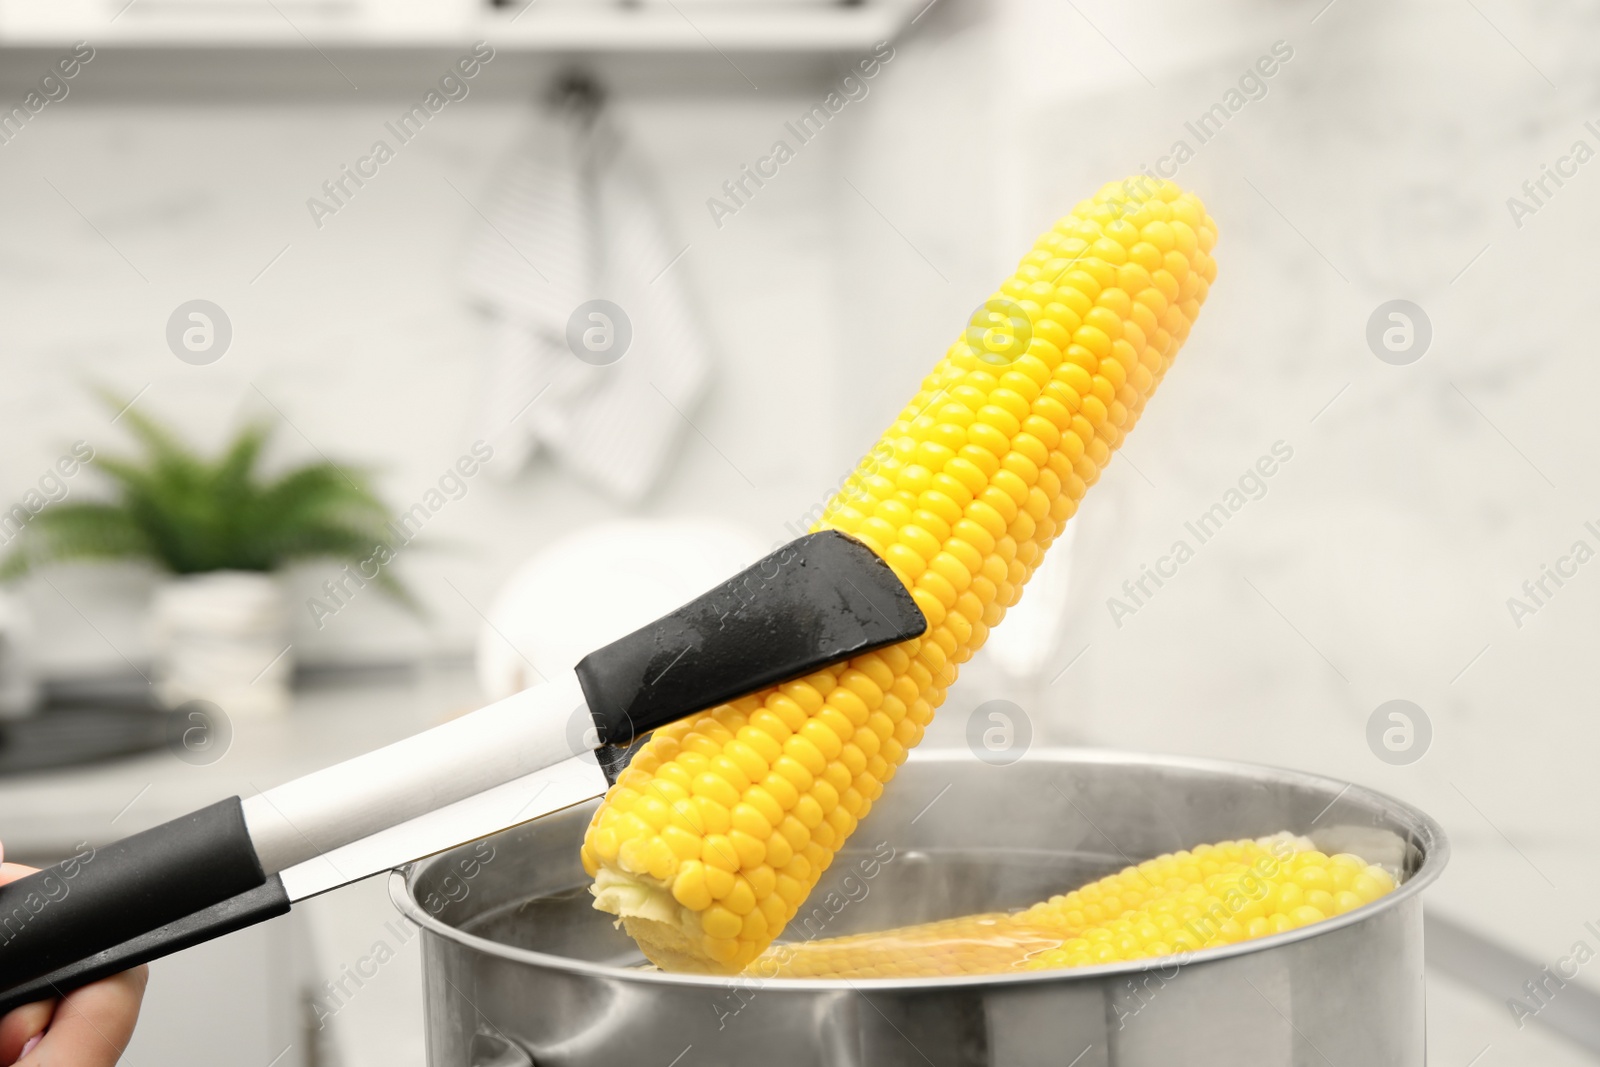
1377, 166
359, 336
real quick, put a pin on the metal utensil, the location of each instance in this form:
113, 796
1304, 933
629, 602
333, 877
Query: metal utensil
572, 781
526, 962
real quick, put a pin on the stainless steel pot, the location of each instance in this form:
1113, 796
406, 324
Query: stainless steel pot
519, 969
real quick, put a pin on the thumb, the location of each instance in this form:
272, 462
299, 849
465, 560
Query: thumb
28, 1021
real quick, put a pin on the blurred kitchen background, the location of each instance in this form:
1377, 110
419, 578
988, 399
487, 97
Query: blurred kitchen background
418, 314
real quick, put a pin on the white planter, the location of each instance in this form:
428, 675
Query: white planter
223, 637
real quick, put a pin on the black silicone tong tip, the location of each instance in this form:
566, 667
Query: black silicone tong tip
817, 600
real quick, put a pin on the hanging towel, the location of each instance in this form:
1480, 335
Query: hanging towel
574, 219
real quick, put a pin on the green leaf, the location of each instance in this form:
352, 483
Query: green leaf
75, 531
159, 441
189, 513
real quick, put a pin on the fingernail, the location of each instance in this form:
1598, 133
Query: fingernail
32, 1042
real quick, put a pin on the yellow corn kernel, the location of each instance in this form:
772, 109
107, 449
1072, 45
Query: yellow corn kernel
961, 497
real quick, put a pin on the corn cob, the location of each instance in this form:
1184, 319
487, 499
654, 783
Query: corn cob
713, 837
1180, 902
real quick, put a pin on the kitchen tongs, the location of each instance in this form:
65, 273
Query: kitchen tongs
815, 601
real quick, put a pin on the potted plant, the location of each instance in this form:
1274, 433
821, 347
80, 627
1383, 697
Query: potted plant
222, 532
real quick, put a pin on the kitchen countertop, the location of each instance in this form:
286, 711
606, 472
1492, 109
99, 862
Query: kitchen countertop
44, 815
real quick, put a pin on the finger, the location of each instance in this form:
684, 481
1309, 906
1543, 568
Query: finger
92, 1025
18, 1027
22, 1025
10, 872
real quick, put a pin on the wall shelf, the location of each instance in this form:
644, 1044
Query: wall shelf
556, 26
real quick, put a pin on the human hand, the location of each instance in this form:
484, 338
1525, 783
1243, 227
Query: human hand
89, 1027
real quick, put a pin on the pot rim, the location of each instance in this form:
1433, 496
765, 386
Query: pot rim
1429, 836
